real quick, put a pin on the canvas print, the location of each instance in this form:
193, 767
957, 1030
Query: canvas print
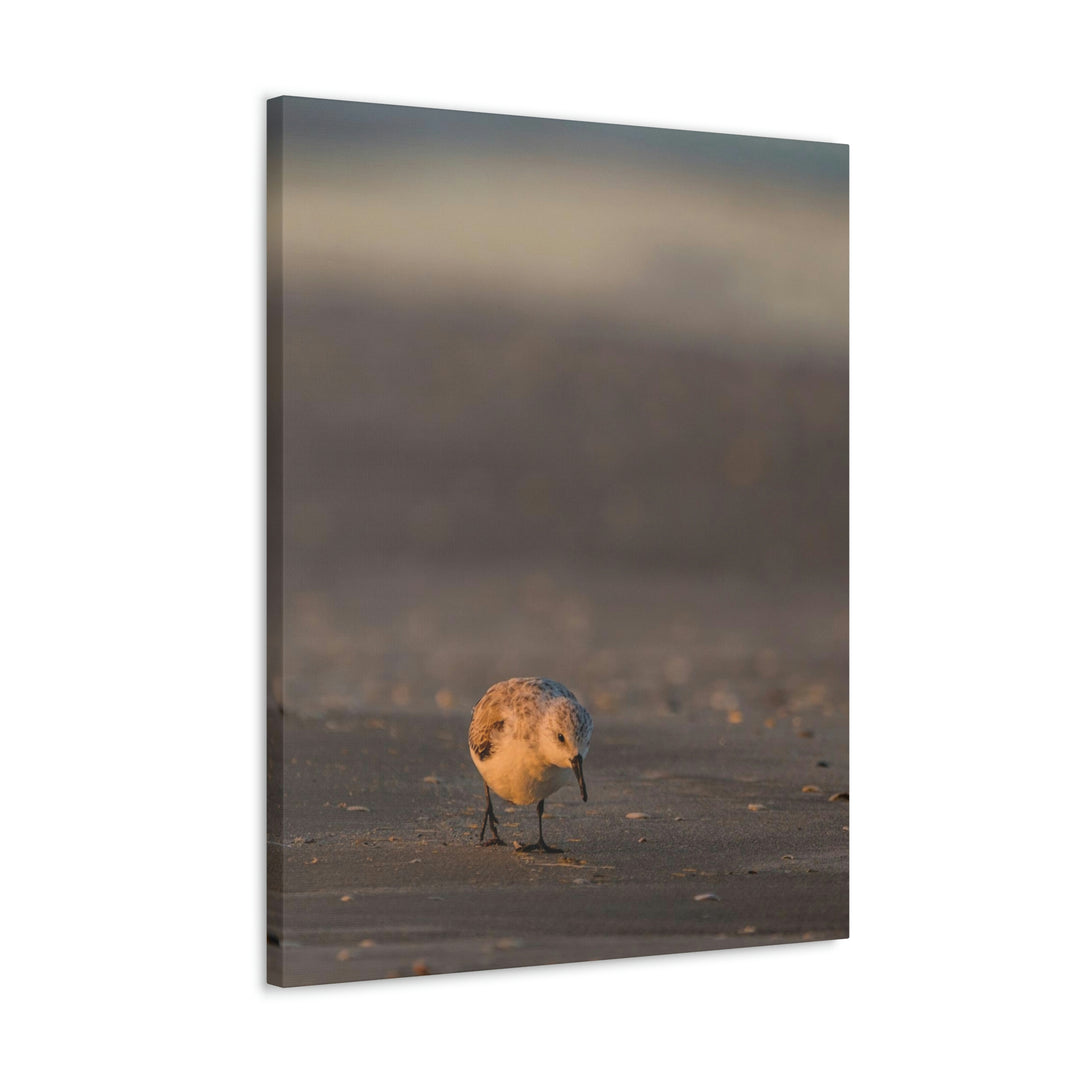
557, 541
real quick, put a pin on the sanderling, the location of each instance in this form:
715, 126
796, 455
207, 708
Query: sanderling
528, 738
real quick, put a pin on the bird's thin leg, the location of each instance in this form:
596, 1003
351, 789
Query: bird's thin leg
540, 821
489, 815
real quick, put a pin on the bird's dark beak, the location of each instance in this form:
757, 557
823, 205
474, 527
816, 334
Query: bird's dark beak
575, 764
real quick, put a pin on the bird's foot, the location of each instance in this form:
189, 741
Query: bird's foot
493, 841
541, 846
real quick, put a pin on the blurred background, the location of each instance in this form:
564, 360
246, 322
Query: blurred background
565, 399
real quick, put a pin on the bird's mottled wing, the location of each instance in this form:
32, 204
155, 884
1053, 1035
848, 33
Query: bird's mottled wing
486, 725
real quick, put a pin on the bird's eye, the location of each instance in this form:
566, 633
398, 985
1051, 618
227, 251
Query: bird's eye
562, 738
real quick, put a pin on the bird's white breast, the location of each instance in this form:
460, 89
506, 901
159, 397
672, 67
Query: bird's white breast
516, 772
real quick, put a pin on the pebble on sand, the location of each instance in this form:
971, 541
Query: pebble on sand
636, 816
840, 796
362, 809
756, 806
420, 968
810, 788
707, 896
343, 954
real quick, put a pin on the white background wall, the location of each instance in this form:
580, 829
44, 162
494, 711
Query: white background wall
131, 429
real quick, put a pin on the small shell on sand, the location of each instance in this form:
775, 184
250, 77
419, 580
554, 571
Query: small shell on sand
840, 796
810, 788
756, 806
636, 816
707, 896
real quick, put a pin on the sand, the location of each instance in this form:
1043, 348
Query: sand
376, 872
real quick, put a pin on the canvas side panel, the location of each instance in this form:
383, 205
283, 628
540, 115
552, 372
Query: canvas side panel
274, 529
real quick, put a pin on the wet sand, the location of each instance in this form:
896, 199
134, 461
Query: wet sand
378, 873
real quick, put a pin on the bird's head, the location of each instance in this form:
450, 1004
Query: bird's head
565, 737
